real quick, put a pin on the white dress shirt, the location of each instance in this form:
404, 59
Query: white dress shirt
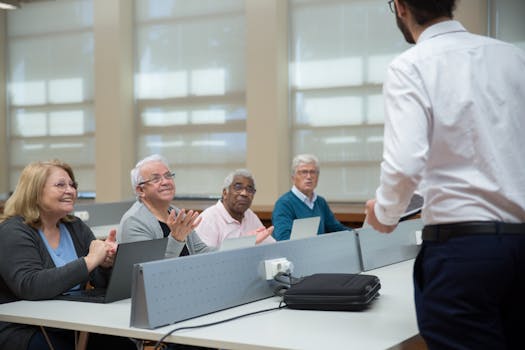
304, 198
455, 129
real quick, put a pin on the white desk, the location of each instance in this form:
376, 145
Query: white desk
389, 321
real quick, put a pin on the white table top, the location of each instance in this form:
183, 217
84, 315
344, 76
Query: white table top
389, 321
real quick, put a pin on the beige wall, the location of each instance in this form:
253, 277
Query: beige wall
473, 15
268, 136
267, 97
114, 114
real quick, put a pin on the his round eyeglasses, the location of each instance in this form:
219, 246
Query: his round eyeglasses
392, 6
306, 172
155, 179
238, 188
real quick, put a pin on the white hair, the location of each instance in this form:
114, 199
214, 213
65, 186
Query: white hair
239, 172
305, 159
136, 178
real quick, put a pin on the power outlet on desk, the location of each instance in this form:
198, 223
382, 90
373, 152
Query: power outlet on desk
273, 266
82, 215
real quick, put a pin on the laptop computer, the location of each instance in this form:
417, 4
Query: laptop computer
119, 286
238, 242
305, 227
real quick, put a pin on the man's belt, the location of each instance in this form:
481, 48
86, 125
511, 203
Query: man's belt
443, 232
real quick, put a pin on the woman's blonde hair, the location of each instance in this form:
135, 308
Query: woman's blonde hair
26, 198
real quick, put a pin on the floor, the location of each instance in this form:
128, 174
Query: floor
414, 343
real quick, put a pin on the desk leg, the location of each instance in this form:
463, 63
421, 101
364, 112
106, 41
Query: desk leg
81, 339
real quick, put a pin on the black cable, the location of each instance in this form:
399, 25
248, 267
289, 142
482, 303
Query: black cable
286, 278
158, 343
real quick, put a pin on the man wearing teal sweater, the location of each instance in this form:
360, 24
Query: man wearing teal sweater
302, 202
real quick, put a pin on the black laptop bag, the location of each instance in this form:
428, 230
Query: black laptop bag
332, 292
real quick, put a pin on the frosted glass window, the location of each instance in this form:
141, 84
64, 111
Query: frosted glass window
375, 108
170, 9
208, 82
42, 17
214, 114
339, 182
190, 88
50, 86
27, 124
164, 118
161, 85
329, 73
66, 90
28, 93
340, 51
210, 47
334, 111
208, 117
196, 148
377, 65
66, 123
45, 65
24, 151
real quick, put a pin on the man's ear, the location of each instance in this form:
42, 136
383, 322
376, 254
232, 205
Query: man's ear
139, 190
224, 193
401, 8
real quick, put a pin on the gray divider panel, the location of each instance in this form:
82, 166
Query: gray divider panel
172, 290
101, 214
379, 249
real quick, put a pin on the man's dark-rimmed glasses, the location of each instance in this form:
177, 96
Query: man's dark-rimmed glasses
392, 6
155, 179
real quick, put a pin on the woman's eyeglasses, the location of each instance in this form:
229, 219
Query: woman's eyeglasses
62, 185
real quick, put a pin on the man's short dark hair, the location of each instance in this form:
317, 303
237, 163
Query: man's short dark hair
425, 11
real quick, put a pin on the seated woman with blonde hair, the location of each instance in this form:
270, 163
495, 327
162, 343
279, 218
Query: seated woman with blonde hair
45, 251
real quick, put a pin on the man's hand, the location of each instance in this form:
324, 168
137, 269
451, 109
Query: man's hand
372, 220
262, 233
182, 224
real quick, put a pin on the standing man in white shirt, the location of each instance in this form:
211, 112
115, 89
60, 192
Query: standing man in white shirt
455, 115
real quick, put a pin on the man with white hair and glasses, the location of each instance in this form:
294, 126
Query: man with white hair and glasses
152, 216
302, 201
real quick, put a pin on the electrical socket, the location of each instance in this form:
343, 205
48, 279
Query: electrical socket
419, 238
82, 214
273, 266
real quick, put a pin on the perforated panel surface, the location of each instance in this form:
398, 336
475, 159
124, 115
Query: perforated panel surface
172, 290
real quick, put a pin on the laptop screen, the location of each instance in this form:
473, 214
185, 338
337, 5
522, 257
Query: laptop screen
305, 227
119, 286
239, 242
